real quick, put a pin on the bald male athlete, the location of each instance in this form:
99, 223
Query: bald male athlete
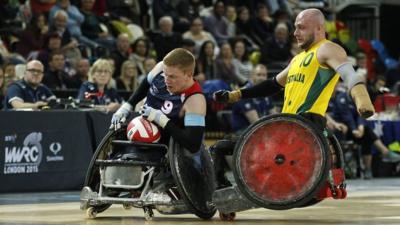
311, 76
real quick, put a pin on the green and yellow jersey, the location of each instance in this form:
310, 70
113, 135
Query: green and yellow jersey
309, 85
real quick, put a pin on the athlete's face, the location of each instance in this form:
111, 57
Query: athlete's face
304, 32
176, 79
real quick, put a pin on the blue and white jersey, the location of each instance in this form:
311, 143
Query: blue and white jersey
170, 104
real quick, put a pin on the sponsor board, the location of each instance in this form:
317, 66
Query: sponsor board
23, 154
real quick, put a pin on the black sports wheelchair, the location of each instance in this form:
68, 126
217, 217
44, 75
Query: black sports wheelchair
280, 162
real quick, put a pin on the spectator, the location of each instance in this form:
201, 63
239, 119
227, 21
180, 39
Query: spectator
97, 90
378, 87
226, 68
69, 44
244, 27
178, 11
29, 92
217, 24
166, 40
276, 50
248, 111
128, 80
125, 11
231, 16
189, 45
82, 73
241, 58
55, 77
121, 53
74, 20
149, 64
206, 65
33, 37
140, 51
198, 35
9, 73
263, 24
52, 44
336, 126
91, 26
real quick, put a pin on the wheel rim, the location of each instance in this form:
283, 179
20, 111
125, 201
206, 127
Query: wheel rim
280, 162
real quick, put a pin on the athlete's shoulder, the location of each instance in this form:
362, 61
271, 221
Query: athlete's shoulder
330, 50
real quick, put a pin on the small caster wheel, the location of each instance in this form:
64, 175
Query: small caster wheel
127, 206
339, 193
91, 213
148, 213
227, 216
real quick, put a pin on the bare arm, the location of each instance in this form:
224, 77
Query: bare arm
331, 55
195, 104
334, 56
17, 104
282, 76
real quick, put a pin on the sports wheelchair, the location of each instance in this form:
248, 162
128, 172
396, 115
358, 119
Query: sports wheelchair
169, 179
280, 162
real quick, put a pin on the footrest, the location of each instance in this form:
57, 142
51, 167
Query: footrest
141, 145
126, 163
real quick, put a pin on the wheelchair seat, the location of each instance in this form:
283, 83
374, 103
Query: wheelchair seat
127, 150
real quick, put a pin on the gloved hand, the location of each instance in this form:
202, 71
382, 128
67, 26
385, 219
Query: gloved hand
362, 100
154, 115
224, 96
119, 117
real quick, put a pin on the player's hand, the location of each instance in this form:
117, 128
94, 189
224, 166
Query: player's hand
119, 117
221, 96
154, 115
224, 96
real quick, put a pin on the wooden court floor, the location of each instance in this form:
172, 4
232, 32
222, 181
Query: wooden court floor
374, 201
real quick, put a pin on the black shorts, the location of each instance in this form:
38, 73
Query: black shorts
318, 120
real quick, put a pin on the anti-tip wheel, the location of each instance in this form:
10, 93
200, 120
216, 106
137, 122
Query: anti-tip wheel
126, 206
227, 216
91, 213
148, 214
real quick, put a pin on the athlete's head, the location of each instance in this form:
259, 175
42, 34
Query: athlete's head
178, 69
310, 28
34, 73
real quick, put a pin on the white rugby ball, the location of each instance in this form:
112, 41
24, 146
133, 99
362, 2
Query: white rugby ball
142, 130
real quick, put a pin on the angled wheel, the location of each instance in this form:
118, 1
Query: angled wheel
194, 177
92, 179
91, 213
281, 162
